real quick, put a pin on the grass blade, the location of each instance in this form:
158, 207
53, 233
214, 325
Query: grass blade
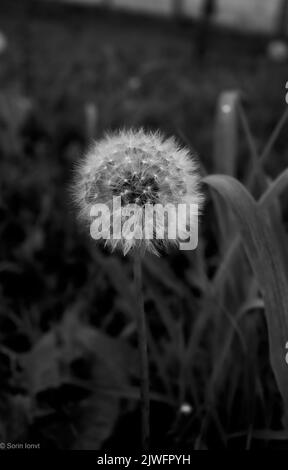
267, 199
226, 133
261, 247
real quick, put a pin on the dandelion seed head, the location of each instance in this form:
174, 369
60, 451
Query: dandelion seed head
140, 168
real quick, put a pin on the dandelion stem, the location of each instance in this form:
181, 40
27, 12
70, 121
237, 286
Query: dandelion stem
143, 351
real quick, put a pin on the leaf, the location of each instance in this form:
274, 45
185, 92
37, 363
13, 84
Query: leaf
225, 350
261, 246
15, 414
225, 157
226, 133
255, 178
274, 136
232, 255
48, 363
95, 420
111, 364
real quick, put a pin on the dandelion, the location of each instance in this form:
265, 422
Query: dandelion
141, 169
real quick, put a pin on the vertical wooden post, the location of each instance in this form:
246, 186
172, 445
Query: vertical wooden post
177, 8
107, 3
208, 10
26, 32
282, 26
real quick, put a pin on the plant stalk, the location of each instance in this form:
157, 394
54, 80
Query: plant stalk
143, 352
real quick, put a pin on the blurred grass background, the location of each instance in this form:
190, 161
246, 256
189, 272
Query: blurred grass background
137, 71
67, 332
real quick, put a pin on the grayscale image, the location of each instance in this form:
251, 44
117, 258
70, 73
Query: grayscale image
143, 228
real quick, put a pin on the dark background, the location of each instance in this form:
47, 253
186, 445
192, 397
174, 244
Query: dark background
68, 359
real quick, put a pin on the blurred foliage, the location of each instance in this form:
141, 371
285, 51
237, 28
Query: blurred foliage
68, 359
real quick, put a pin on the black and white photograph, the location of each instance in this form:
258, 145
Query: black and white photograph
143, 228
